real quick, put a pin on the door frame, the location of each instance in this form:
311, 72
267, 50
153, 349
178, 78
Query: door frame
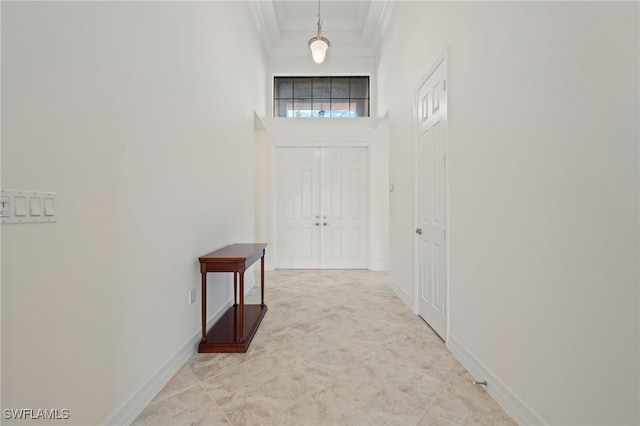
276, 145
442, 59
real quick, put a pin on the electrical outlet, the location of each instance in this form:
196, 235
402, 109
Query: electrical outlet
192, 296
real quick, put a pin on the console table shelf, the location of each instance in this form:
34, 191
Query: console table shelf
235, 330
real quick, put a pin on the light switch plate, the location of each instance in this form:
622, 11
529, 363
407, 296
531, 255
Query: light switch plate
23, 206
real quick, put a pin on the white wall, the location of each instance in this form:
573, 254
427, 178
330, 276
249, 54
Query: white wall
262, 190
140, 115
543, 117
380, 196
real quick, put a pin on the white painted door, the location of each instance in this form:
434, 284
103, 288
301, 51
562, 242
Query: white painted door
344, 201
322, 218
431, 200
297, 243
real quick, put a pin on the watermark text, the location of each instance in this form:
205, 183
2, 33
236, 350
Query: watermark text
35, 414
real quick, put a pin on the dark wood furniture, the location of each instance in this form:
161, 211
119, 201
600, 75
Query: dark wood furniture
234, 331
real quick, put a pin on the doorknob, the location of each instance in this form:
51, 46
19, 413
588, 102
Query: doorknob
324, 223
419, 231
317, 224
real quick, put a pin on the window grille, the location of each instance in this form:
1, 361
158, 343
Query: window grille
321, 96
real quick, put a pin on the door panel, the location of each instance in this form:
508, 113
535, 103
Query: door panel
297, 203
345, 198
431, 249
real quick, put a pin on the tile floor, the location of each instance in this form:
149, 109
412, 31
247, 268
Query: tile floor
335, 348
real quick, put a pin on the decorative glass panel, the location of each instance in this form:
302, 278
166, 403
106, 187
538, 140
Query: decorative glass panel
359, 107
284, 88
340, 88
321, 87
302, 88
322, 107
359, 89
321, 97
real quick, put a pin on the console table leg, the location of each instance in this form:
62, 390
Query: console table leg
204, 307
235, 289
241, 308
262, 281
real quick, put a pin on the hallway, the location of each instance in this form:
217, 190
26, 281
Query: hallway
335, 348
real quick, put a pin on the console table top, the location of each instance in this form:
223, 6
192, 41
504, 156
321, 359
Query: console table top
234, 253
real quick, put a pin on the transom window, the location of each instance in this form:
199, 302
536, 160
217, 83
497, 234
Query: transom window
321, 96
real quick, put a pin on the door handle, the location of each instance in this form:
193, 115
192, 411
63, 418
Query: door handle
317, 224
324, 223
419, 231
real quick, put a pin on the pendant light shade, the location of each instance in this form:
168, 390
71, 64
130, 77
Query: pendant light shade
319, 44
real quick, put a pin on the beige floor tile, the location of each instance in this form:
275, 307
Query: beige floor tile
390, 392
256, 391
181, 381
191, 407
205, 366
323, 408
325, 355
425, 352
463, 408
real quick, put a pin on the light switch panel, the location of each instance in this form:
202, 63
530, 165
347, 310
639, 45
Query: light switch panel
23, 206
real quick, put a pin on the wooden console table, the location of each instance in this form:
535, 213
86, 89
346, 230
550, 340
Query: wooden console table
234, 331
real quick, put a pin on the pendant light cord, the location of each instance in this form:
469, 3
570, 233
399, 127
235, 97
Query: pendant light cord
319, 24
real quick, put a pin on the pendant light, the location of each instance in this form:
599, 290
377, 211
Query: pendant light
318, 44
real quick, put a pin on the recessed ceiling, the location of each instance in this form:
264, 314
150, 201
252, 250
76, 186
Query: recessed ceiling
354, 27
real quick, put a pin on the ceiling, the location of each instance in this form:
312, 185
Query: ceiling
353, 27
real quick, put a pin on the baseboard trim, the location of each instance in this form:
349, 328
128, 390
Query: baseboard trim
406, 298
381, 267
127, 412
519, 410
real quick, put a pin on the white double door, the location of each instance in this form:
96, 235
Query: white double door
321, 207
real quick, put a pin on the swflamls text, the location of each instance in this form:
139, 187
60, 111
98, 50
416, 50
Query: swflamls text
35, 414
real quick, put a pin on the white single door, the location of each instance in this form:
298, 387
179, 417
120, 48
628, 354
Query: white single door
344, 201
322, 215
431, 200
297, 243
